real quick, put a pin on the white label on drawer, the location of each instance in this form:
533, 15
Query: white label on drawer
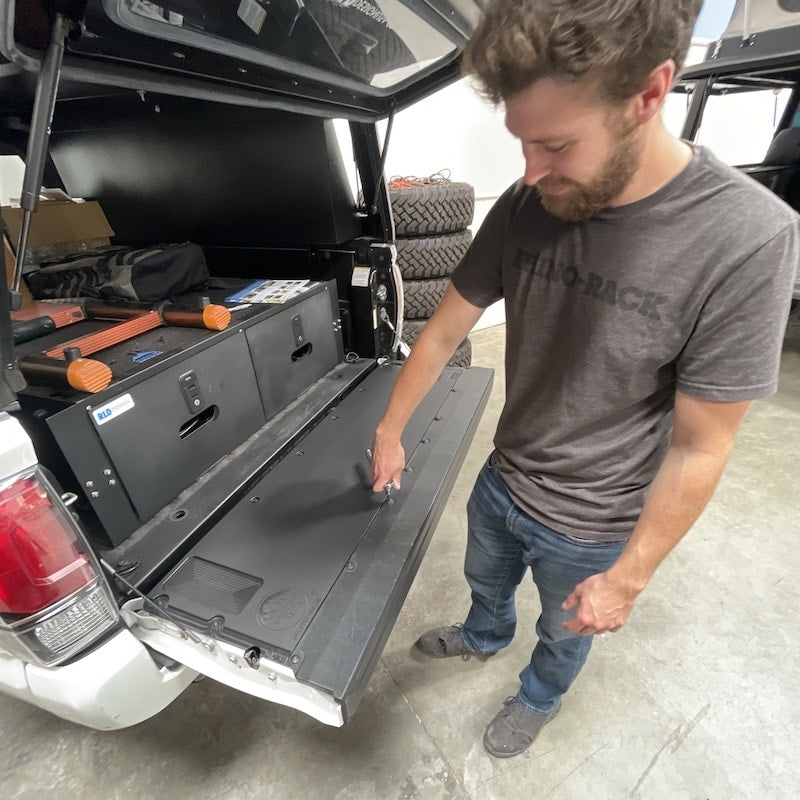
252, 14
113, 409
360, 276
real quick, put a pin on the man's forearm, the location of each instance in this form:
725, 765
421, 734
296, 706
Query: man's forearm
419, 373
452, 321
680, 491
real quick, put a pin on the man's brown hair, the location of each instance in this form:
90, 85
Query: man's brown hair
616, 42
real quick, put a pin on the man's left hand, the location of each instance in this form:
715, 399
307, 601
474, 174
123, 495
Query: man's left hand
602, 605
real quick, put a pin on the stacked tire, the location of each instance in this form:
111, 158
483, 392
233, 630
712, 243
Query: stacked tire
431, 219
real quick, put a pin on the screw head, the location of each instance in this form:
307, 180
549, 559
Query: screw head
295, 659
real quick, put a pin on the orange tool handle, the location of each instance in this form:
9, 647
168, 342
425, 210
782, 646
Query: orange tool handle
81, 374
212, 317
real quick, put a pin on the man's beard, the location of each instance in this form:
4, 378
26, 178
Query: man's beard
582, 200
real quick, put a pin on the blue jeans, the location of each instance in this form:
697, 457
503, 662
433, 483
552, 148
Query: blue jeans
503, 542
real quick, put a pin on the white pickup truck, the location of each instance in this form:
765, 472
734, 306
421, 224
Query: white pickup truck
206, 508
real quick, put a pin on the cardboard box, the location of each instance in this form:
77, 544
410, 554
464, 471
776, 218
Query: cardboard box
10, 264
59, 227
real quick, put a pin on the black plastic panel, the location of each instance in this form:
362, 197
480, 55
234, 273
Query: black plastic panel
167, 169
335, 559
298, 526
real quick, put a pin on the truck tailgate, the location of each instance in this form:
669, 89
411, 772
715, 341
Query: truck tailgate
308, 571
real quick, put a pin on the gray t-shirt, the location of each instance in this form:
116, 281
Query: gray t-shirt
687, 289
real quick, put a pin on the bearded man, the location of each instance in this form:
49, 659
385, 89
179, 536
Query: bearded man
647, 287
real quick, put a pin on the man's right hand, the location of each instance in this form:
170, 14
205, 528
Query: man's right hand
449, 325
388, 462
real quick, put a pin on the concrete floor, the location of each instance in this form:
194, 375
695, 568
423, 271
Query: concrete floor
696, 698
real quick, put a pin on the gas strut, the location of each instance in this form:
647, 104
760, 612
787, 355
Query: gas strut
41, 119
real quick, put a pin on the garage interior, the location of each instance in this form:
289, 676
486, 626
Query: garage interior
695, 698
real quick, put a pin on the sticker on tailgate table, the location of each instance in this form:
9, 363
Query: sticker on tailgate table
252, 14
113, 409
146, 355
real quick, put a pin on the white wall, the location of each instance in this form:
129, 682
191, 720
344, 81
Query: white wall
12, 169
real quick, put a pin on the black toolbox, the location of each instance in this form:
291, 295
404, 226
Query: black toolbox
181, 399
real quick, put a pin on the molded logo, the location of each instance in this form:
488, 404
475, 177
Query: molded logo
283, 609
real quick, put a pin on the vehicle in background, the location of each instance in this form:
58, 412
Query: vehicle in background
754, 65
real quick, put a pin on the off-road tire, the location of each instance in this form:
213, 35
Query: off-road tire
462, 356
344, 28
432, 256
422, 297
432, 210
412, 329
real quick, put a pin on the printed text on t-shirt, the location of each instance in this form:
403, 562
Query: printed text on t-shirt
627, 298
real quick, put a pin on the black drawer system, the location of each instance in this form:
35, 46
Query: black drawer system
182, 399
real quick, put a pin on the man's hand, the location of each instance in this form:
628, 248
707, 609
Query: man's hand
388, 462
452, 321
702, 437
602, 605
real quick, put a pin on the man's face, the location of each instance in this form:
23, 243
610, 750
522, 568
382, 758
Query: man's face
579, 154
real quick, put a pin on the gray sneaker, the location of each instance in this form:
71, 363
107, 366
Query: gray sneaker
447, 642
515, 728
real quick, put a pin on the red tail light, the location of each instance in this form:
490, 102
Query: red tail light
41, 561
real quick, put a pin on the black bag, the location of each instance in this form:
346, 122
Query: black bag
118, 273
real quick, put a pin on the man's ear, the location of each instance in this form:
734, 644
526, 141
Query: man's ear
647, 103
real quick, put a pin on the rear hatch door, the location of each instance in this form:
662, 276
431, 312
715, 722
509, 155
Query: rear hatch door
336, 58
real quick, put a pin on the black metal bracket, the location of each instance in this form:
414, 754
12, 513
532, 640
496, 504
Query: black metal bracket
382, 166
369, 159
11, 380
695, 113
